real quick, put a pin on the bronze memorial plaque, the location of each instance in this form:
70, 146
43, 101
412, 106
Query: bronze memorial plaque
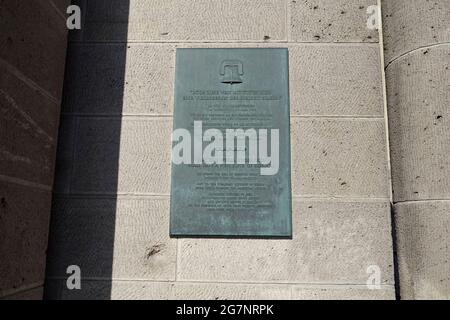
230, 144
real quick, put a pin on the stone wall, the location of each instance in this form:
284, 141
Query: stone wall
417, 50
111, 199
33, 39
111, 205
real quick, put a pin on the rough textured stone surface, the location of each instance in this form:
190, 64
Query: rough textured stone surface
114, 165
412, 24
24, 216
325, 235
229, 291
31, 294
64, 156
105, 290
339, 157
419, 118
417, 55
126, 156
32, 57
28, 125
133, 79
326, 80
335, 80
213, 291
141, 290
331, 21
166, 20
112, 238
34, 42
62, 5
27, 105
329, 79
342, 293
423, 246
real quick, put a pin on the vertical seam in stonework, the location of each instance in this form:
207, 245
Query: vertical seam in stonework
395, 255
385, 104
388, 151
288, 21
177, 251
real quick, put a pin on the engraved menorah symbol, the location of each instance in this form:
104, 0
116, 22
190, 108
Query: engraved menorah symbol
231, 70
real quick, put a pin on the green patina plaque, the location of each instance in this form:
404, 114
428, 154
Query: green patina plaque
230, 144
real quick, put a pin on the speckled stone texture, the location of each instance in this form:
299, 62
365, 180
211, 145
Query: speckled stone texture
111, 206
32, 56
417, 52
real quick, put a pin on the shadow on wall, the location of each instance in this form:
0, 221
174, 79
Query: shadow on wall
86, 182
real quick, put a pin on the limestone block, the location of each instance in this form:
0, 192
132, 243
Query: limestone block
31, 294
419, 118
339, 158
333, 242
34, 42
331, 21
327, 80
119, 78
423, 243
24, 216
335, 80
106, 290
17, 97
342, 293
228, 291
413, 24
185, 20
28, 125
64, 155
129, 155
112, 239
